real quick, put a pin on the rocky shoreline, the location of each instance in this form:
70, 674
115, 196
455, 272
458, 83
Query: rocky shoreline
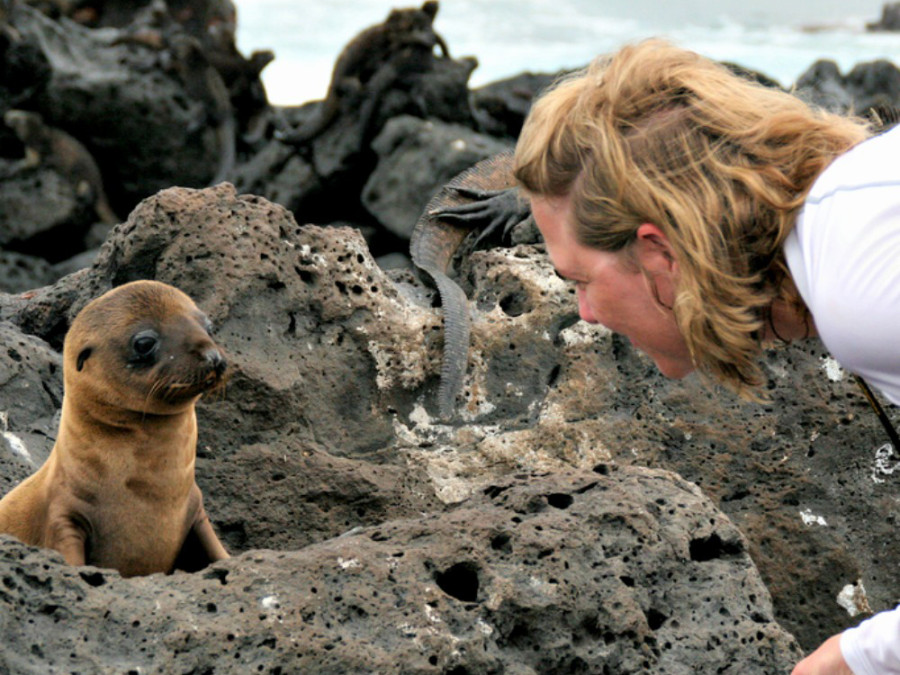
580, 513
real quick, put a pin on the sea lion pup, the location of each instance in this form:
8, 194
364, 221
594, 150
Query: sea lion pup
118, 488
55, 148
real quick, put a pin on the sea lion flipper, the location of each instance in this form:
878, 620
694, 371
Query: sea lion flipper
208, 539
69, 536
201, 545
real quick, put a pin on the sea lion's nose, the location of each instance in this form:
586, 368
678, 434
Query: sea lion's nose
216, 360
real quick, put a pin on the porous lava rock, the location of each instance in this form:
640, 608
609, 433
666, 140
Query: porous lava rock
329, 419
620, 570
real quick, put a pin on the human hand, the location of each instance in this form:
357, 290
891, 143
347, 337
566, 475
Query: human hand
826, 660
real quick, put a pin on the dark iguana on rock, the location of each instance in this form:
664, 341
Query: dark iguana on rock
7, 32
55, 148
154, 27
405, 39
203, 81
483, 197
883, 117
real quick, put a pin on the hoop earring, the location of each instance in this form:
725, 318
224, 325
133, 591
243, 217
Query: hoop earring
655, 293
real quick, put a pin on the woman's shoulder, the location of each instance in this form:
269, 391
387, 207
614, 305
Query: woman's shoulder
870, 164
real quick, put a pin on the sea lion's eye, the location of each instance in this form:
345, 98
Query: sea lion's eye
144, 346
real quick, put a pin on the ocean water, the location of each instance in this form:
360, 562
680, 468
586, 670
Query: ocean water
780, 38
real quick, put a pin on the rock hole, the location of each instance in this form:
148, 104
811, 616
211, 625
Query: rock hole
520, 636
221, 575
493, 491
514, 304
712, 547
95, 579
459, 581
558, 500
306, 276
655, 619
502, 542
553, 377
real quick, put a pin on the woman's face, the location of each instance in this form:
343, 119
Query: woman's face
617, 289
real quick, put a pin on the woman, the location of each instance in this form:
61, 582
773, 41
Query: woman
701, 215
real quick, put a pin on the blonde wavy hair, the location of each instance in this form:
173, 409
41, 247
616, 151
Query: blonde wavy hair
722, 165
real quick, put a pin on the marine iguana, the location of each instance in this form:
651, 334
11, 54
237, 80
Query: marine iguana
151, 27
203, 81
405, 33
484, 193
242, 78
154, 27
6, 28
883, 117
57, 149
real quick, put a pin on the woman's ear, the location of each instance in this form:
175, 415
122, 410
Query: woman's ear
654, 251
656, 258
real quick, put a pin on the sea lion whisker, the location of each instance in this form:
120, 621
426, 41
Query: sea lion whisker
217, 393
147, 398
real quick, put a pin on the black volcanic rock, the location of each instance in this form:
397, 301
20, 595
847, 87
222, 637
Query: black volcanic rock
890, 19
415, 159
328, 422
524, 506
628, 570
866, 87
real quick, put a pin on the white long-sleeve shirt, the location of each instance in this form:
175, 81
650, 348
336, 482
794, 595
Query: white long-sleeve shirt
844, 257
873, 647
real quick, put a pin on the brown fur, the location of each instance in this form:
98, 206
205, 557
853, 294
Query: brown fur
118, 489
